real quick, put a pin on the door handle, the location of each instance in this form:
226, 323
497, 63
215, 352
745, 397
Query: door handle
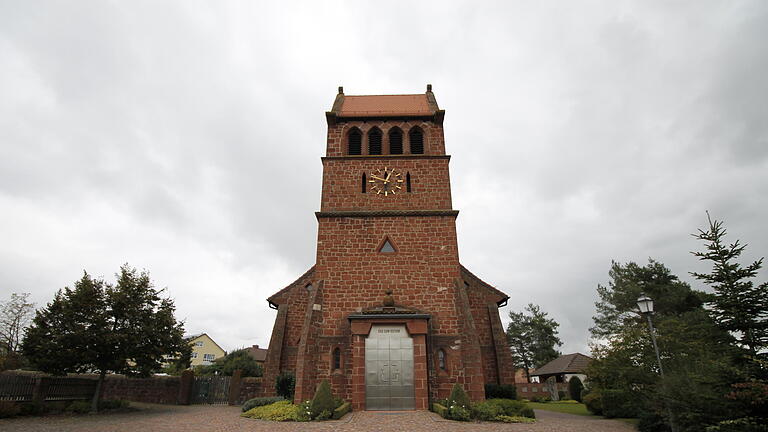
383, 373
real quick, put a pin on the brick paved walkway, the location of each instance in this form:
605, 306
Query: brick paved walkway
203, 418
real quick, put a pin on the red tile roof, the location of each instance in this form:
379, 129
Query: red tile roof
386, 105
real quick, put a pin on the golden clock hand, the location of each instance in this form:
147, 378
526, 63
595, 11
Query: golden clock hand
378, 178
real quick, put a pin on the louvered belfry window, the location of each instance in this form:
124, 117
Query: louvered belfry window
374, 141
355, 142
395, 141
416, 138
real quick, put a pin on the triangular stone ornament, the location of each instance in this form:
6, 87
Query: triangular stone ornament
387, 247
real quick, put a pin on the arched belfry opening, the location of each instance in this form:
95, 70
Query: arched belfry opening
395, 141
354, 142
374, 141
416, 140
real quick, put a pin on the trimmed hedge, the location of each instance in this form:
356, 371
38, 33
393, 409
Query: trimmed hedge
594, 402
340, 411
515, 419
441, 410
260, 401
500, 391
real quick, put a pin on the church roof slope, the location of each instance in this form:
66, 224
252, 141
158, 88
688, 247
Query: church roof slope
468, 274
378, 106
386, 105
568, 363
276, 297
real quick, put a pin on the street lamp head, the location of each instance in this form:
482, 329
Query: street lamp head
645, 304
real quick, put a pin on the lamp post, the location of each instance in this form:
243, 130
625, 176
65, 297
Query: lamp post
645, 304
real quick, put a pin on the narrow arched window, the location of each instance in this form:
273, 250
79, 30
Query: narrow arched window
441, 359
355, 142
362, 185
336, 358
395, 141
407, 182
416, 139
374, 141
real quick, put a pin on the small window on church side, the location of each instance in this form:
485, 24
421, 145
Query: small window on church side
395, 141
407, 182
354, 142
416, 139
374, 141
363, 184
308, 287
441, 359
336, 358
387, 247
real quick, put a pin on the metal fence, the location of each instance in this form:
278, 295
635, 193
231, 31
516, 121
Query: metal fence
210, 390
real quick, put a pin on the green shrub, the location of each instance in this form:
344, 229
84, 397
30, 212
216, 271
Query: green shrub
341, 410
337, 402
458, 413
486, 411
594, 402
79, 407
575, 386
278, 411
500, 391
31, 409
303, 414
260, 401
109, 404
9, 409
744, 424
324, 415
620, 403
323, 400
440, 409
514, 419
458, 397
651, 421
285, 384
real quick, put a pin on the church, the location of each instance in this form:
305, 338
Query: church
387, 314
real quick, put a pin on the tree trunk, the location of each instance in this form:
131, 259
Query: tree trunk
97, 394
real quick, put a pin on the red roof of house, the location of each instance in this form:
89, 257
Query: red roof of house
258, 354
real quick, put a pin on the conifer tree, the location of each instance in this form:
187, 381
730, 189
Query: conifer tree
738, 305
97, 327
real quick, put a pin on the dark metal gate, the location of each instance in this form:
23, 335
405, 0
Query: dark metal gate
210, 390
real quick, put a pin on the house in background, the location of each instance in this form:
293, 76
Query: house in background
204, 350
564, 367
258, 354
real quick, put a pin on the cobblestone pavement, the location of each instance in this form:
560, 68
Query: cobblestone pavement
204, 418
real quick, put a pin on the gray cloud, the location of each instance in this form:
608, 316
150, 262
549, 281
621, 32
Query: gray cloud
185, 138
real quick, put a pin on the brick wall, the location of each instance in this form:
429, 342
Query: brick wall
160, 390
250, 388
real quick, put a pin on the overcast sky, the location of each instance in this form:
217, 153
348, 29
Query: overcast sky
185, 138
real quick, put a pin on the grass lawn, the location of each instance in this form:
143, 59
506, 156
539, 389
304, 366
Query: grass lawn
568, 408
571, 408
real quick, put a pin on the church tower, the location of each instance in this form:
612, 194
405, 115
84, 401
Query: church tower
387, 314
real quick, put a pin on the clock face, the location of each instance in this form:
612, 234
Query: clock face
386, 182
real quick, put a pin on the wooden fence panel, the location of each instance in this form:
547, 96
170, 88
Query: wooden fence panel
16, 388
67, 388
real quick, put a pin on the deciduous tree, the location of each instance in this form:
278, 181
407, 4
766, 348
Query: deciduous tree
15, 316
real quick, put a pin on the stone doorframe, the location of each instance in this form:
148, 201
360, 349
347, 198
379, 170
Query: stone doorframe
417, 327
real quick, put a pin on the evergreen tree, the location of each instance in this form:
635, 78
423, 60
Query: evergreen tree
739, 306
532, 338
97, 327
697, 355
